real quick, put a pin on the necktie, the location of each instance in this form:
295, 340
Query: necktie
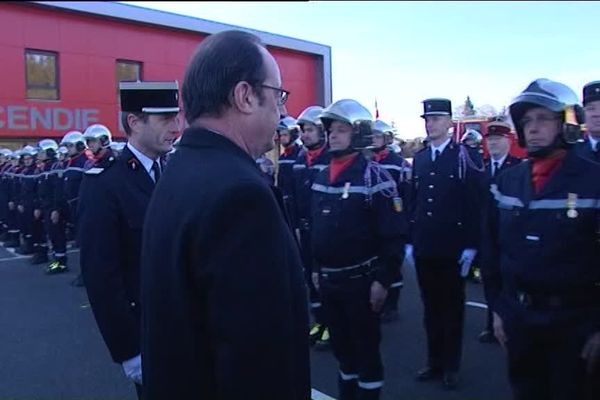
436, 154
156, 170
495, 170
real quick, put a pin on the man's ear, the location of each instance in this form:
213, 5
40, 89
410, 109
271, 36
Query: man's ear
244, 98
134, 122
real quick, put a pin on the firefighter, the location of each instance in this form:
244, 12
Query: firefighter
542, 246
64, 217
590, 148
446, 189
62, 155
474, 140
312, 159
5, 165
10, 182
358, 237
287, 133
498, 141
26, 198
98, 138
400, 170
44, 200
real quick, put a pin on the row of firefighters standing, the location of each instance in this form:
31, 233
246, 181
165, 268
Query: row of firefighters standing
360, 210
39, 191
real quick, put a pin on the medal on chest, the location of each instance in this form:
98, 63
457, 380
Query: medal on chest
571, 205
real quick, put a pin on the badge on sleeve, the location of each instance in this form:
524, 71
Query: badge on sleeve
132, 163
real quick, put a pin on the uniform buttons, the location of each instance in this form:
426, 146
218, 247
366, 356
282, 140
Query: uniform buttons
430, 200
432, 173
430, 186
429, 213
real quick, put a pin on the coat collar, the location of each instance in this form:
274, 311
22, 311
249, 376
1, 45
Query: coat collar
136, 171
199, 138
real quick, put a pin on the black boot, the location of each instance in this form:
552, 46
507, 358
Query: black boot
348, 389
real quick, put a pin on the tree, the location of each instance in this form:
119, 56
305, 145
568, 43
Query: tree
468, 108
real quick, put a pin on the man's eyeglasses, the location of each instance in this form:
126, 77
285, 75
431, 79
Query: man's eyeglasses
283, 94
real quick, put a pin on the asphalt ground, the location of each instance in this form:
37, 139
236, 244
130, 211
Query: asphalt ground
50, 347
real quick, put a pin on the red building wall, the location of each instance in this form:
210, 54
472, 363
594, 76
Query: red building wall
88, 48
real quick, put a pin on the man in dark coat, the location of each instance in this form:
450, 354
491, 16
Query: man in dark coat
225, 313
113, 201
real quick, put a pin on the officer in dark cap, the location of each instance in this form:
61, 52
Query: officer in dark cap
590, 148
112, 205
445, 230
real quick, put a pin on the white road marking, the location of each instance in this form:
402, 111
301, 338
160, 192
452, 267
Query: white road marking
476, 304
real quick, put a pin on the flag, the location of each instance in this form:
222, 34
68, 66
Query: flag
376, 110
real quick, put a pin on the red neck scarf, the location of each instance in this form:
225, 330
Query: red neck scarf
542, 169
312, 155
381, 155
288, 151
339, 165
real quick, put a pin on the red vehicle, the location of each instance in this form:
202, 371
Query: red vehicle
480, 125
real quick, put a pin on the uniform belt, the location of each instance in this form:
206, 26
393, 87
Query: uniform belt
583, 298
352, 271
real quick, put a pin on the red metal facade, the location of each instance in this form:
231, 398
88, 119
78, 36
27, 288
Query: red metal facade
88, 49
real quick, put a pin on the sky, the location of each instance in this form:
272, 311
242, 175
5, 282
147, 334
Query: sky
401, 53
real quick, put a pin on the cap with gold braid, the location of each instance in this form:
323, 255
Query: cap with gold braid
149, 97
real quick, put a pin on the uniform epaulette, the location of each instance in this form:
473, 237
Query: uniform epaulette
95, 171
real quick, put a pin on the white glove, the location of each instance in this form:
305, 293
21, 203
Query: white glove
408, 255
133, 369
465, 261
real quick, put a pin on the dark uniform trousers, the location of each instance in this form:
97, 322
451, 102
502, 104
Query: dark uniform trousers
445, 201
443, 296
358, 237
355, 334
542, 276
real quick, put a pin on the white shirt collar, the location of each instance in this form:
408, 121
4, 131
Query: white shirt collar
499, 161
145, 160
592, 142
441, 147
